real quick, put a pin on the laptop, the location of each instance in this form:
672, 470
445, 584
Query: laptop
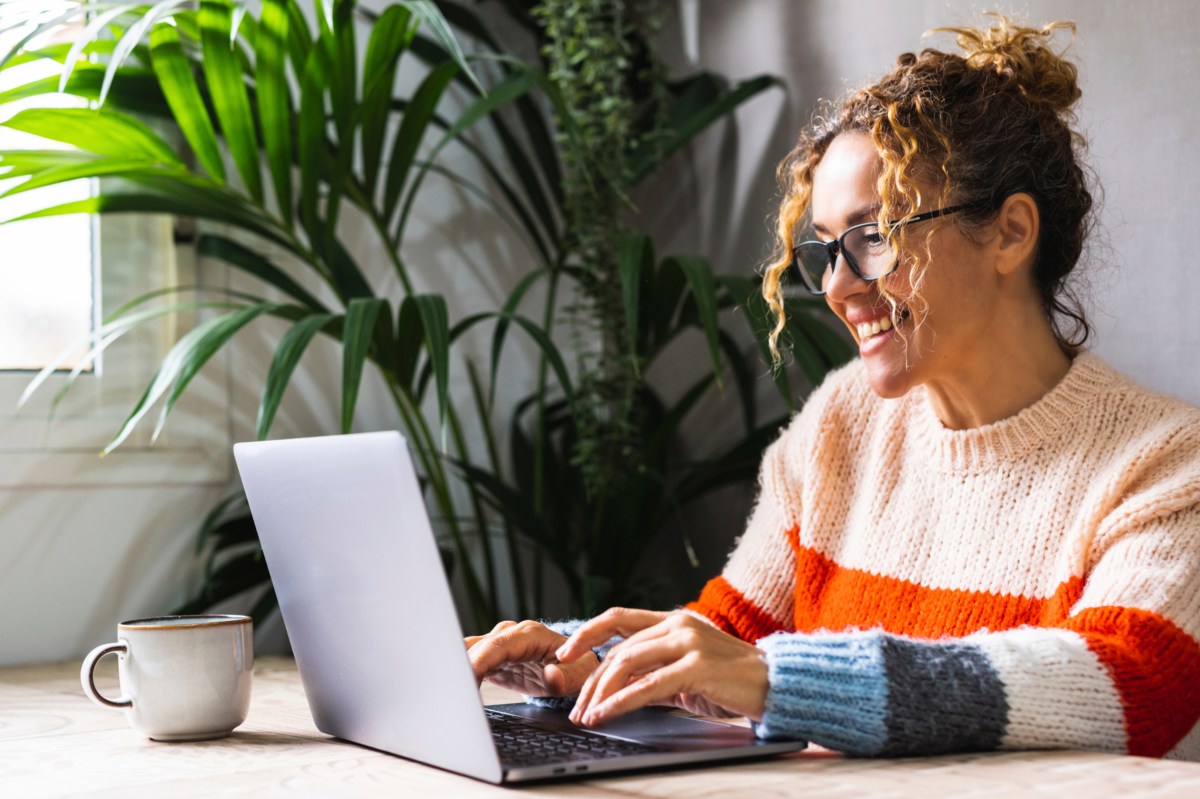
377, 640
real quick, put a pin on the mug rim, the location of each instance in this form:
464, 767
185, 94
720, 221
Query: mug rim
184, 622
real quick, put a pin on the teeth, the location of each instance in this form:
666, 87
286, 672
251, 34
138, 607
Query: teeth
868, 329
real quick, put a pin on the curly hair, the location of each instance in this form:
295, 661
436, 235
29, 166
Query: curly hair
983, 125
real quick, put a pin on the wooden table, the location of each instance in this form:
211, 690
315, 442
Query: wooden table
56, 743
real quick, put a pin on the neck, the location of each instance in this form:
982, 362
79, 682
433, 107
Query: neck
1015, 372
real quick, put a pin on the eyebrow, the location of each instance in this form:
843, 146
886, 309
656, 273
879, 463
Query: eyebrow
868, 214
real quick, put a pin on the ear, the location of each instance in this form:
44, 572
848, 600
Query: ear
1017, 227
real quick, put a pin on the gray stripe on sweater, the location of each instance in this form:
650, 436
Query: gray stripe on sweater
942, 698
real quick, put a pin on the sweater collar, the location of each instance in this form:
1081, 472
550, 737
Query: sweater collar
1011, 438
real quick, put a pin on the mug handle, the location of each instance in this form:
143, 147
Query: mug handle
87, 675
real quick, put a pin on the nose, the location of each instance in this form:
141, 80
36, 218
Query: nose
842, 283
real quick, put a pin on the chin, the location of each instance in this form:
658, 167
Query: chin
889, 380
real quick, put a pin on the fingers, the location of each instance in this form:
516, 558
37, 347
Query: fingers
471, 640
630, 662
659, 686
512, 642
614, 621
565, 679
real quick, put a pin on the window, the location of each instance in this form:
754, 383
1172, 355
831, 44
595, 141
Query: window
47, 303
61, 276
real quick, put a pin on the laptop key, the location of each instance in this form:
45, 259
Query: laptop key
521, 744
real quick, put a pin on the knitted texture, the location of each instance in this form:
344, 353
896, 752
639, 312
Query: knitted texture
1034, 583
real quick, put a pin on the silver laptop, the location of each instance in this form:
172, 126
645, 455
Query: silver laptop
377, 640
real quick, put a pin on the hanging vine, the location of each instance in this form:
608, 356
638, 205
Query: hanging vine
613, 85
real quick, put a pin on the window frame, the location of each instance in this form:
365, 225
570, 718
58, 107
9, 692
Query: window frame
43, 446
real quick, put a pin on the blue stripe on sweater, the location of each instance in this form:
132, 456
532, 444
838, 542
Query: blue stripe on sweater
871, 693
831, 689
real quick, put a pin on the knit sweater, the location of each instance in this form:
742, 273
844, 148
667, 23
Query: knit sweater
1034, 583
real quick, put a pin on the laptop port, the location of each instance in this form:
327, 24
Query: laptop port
581, 768
560, 770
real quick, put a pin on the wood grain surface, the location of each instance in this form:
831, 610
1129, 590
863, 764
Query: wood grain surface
54, 742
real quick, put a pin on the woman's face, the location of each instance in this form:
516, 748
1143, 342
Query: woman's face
948, 335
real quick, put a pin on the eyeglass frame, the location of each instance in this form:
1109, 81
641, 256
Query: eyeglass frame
835, 247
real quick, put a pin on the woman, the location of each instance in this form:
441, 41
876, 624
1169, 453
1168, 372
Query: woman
977, 534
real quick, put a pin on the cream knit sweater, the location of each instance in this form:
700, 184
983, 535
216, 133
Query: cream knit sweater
1032, 583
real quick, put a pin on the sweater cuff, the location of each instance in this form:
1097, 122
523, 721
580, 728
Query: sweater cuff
827, 688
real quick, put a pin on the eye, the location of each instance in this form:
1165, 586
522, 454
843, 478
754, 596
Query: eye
873, 240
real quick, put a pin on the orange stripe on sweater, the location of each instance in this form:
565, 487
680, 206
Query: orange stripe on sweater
831, 597
1156, 668
732, 612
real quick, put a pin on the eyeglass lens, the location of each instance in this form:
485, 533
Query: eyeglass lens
869, 255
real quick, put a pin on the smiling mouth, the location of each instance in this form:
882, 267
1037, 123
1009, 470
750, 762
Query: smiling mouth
869, 330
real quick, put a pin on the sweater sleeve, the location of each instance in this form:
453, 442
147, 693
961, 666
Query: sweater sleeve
1117, 670
753, 596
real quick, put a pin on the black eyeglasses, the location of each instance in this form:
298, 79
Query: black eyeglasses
867, 253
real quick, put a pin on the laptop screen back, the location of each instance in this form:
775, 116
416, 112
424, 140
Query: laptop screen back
364, 598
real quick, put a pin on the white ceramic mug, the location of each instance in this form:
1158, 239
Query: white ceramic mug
183, 678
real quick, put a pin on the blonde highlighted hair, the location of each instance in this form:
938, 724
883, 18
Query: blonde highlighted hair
981, 125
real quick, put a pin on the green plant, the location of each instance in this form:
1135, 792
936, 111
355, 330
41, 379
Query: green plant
282, 136
311, 139
595, 472
596, 543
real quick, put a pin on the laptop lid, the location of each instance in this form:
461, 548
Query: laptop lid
373, 626
353, 560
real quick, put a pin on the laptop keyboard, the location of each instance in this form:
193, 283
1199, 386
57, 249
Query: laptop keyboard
521, 744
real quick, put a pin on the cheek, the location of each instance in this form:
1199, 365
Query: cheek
904, 284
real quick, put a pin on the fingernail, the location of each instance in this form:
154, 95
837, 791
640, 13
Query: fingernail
562, 650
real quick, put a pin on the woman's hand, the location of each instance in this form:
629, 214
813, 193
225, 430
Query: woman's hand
666, 658
520, 656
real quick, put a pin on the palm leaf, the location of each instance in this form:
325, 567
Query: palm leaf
500, 95
223, 72
291, 347
436, 326
635, 262
90, 32
411, 131
102, 132
174, 71
362, 315
21, 163
216, 517
99, 340
129, 40
690, 114
91, 168
390, 36
251, 262
174, 363
314, 79
505, 316
428, 13
275, 101
207, 345
699, 276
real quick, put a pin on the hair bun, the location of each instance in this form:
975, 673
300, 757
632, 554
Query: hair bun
1025, 56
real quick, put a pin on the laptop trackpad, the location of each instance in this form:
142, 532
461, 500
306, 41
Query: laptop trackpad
652, 726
